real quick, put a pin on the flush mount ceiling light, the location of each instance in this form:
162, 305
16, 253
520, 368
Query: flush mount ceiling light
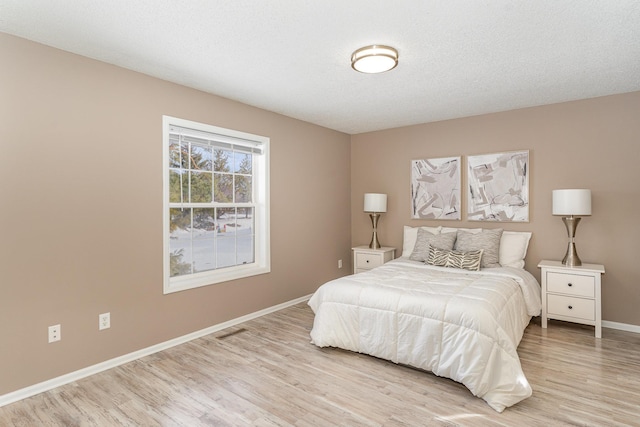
374, 59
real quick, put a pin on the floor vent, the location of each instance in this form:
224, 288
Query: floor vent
239, 331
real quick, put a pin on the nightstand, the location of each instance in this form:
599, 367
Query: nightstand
572, 294
365, 258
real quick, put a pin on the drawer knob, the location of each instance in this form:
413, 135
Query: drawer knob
570, 307
367, 261
570, 284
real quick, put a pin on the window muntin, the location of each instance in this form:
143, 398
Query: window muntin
216, 204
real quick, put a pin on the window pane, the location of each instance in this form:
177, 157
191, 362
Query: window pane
227, 221
242, 163
226, 250
184, 155
178, 186
245, 235
179, 221
223, 189
201, 158
174, 152
180, 241
245, 249
201, 187
204, 258
204, 234
243, 189
244, 218
180, 260
222, 160
203, 223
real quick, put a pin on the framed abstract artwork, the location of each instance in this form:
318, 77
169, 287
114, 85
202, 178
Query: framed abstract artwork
498, 187
435, 188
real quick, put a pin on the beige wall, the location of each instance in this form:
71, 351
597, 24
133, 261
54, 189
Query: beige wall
591, 144
81, 215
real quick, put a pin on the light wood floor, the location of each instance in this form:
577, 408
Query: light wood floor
266, 373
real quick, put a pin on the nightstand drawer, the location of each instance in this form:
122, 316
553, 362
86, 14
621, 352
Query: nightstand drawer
366, 258
571, 307
367, 261
571, 284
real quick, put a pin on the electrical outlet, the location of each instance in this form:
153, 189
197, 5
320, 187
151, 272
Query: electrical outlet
339, 263
104, 321
55, 333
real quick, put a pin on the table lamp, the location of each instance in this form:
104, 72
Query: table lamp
571, 204
375, 203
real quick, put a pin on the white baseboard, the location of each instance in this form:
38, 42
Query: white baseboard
112, 363
621, 326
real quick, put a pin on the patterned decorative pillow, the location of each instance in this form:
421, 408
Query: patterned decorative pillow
488, 240
441, 241
455, 259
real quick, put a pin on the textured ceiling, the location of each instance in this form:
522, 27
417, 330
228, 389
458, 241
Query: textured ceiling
457, 58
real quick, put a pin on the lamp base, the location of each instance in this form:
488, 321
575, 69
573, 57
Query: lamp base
375, 244
571, 258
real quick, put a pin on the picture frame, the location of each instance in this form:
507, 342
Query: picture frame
498, 187
436, 188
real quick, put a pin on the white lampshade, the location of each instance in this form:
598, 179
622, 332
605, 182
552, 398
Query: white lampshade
375, 202
572, 202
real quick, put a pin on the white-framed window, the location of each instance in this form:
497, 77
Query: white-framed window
215, 204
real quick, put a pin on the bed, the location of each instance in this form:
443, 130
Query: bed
460, 323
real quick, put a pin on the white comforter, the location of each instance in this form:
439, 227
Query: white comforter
458, 324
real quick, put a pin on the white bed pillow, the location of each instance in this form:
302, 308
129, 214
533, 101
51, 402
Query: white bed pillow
411, 235
513, 248
513, 245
